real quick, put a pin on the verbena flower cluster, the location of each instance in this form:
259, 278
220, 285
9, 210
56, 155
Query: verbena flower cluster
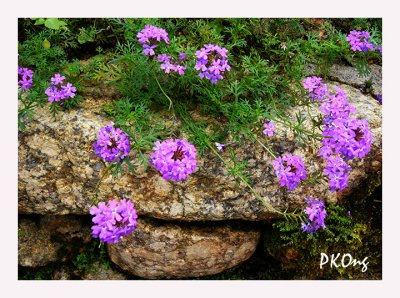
337, 171
149, 36
316, 215
344, 137
269, 128
169, 64
113, 220
212, 62
112, 144
58, 91
360, 41
316, 89
290, 170
174, 159
25, 78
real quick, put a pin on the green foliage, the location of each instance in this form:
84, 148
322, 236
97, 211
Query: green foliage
51, 23
343, 234
96, 252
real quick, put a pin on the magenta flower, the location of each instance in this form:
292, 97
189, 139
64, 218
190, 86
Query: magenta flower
57, 79
25, 78
174, 159
112, 144
114, 220
59, 92
169, 64
269, 128
337, 171
316, 214
150, 36
212, 62
290, 170
360, 41
316, 89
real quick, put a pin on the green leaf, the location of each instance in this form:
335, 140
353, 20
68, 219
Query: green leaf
40, 21
54, 23
46, 44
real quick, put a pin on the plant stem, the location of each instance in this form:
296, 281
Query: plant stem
170, 100
265, 147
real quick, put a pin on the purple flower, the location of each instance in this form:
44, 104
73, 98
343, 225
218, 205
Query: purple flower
379, 98
349, 137
174, 159
360, 41
316, 215
112, 144
25, 78
149, 36
57, 79
58, 92
182, 56
220, 147
290, 170
337, 171
114, 220
69, 90
212, 62
316, 89
269, 128
149, 50
169, 66
336, 106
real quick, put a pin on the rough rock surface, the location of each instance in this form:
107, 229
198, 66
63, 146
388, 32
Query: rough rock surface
157, 250
349, 75
58, 171
50, 239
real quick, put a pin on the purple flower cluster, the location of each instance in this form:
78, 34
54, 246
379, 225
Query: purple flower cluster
269, 128
149, 36
167, 66
336, 106
316, 89
112, 144
114, 220
360, 41
344, 137
290, 170
25, 78
212, 62
342, 134
174, 159
337, 171
58, 90
316, 214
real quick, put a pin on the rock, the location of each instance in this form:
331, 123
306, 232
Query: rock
58, 171
350, 76
50, 239
157, 250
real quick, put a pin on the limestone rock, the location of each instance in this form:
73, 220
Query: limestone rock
157, 250
58, 171
50, 239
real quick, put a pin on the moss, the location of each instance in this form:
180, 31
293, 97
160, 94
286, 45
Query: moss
355, 233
